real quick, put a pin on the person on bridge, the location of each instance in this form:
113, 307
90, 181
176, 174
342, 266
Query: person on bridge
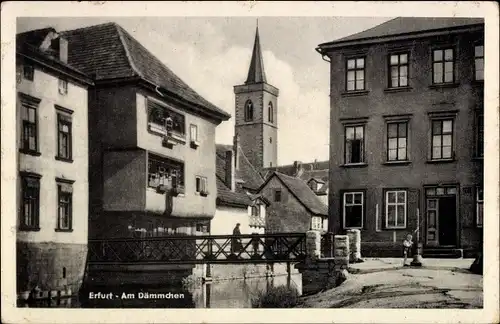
236, 245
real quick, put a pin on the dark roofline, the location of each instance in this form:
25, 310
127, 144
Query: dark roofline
222, 202
27, 51
277, 174
395, 37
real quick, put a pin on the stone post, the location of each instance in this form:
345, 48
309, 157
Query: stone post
354, 245
313, 245
341, 254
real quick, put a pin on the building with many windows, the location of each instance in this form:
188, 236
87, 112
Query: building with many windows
52, 140
406, 134
151, 140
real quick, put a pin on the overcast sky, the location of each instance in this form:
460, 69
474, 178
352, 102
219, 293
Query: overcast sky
213, 54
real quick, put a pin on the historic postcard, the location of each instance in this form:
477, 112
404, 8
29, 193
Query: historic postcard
337, 160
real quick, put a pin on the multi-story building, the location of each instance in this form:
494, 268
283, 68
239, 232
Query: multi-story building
406, 133
52, 140
152, 140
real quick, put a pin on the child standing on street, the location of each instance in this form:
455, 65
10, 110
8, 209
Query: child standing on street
407, 244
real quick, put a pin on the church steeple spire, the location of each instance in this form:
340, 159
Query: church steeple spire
256, 73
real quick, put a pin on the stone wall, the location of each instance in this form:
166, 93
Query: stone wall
49, 267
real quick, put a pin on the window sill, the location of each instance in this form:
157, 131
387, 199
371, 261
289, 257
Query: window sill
354, 93
63, 159
354, 165
394, 229
30, 152
398, 89
403, 162
352, 228
194, 144
444, 85
441, 161
29, 229
64, 230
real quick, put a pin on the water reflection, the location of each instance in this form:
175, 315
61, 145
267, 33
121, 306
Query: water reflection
220, 294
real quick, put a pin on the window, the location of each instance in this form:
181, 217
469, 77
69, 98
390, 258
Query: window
316, 223
398, 66
63, 86
30, 205
28, 72
480, 135
194, 133
354, 144
164, 172
443, 66
355, 74
65, 199
270, 140
270, 111
201, 184
248, 110
479, 206
442, 139
277, 195
397, 137
255, 210
479, 63
159, 115
353, 209
395, 209
64, 136
313, 185
29, 115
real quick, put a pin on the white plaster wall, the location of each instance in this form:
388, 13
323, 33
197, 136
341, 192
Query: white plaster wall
197, 162
45, 87
226, 218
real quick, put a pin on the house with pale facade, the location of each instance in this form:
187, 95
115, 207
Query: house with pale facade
151, 140
52, 159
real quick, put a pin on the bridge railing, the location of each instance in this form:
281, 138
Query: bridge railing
255, 248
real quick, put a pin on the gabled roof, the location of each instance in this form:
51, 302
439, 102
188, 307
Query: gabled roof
318, 180
291, 169
301, 191
256, 72
28, 46
108, 52
246, 173
408, 25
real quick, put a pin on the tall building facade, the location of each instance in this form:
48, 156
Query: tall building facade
256, 117
406, 134
52, 182
151, 140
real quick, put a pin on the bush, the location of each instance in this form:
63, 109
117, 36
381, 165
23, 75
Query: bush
277, 297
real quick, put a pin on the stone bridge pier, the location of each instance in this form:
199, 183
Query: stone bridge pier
322, 273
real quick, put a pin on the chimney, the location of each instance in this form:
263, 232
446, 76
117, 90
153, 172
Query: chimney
298, 168
229, 167
236, 146
63, 50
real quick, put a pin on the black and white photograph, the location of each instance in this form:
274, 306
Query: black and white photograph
342, 159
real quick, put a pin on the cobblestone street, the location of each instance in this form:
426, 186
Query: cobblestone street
387, 285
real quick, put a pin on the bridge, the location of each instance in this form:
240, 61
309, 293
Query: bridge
206, 249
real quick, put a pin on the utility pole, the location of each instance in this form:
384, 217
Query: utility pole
417, 257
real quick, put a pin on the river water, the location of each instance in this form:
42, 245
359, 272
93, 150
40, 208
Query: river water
235, 293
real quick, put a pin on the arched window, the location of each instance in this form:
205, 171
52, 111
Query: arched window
248, 110
270, 111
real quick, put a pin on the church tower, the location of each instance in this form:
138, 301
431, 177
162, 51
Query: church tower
256, 117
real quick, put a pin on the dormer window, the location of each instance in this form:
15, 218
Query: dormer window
28, 72
63, 86
313, 185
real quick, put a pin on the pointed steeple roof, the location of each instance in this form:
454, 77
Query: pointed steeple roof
256, 73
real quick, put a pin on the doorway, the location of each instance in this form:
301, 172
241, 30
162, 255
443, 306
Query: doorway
441, 220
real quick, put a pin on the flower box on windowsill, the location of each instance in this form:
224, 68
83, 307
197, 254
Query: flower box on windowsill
354, 93
68, 230
397, 162
397, 89
178, 190
195, 144
450, 160
161, 188
30, 152
203, 193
